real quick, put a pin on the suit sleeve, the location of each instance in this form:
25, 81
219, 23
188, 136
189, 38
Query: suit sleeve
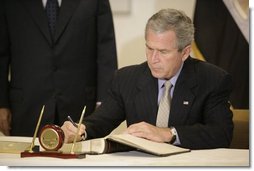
4, 58
106, 49
109, 115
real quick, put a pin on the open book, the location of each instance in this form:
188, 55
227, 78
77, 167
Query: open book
123, 142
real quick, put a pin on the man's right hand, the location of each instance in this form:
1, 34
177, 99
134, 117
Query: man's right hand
5, 121
70, 132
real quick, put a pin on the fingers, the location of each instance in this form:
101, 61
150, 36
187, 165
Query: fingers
148, 131
5, 121
139, 129
5, 128
70, 131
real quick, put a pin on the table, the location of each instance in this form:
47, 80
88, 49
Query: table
213, 157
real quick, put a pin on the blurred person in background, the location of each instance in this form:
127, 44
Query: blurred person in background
57, 53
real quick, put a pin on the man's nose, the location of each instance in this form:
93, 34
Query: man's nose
155, 56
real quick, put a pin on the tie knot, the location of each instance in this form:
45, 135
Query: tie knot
167, 84
52, 1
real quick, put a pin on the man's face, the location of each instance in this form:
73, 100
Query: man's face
163, 57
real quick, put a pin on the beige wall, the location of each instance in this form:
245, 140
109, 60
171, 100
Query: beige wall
129, 22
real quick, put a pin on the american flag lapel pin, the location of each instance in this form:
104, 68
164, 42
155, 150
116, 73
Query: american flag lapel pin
185, 102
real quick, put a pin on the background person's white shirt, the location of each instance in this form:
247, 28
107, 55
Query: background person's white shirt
44, 2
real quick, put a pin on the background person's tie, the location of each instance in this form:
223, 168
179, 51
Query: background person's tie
164, 106
52, 9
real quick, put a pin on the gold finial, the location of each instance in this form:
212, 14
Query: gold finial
76, 135
36, 130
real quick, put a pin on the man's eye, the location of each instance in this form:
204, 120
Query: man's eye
149, 48
163, 52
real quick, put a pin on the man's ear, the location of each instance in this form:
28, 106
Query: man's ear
186, 52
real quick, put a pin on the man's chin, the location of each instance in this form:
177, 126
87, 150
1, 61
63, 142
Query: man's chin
157, 75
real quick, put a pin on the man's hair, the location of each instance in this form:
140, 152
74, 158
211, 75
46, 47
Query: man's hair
174, 20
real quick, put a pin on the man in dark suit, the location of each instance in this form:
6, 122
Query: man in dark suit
61, 55
200, 115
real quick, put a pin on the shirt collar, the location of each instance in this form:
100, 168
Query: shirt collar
44, 2
172, 80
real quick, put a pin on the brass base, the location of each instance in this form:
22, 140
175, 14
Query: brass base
55, 154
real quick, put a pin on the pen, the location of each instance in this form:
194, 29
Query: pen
83, 136
73, 123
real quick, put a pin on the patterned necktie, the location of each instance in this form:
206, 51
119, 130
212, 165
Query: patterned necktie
52, 9
164, 106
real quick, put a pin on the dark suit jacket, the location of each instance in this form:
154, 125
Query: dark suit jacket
66, 73
199, 110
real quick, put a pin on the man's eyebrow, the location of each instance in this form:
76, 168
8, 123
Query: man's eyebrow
154, 48
147, 45
166, 50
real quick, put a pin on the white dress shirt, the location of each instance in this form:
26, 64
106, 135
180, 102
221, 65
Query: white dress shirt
44, 2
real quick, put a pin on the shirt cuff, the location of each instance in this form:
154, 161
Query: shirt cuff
84, 136
177, 141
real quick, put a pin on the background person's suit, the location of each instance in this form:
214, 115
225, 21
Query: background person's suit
64, 73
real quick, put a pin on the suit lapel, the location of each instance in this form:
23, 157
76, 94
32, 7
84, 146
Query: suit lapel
146, 98
38, 14
65, 14
184, 95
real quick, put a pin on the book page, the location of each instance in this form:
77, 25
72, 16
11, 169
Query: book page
15, 144
147, 145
